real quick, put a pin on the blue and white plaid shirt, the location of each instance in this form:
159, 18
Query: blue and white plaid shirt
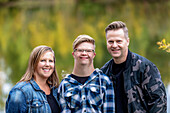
96, 95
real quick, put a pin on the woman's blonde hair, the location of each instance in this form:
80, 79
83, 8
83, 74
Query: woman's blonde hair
36, 53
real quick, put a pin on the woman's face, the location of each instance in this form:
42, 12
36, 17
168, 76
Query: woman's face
45, 66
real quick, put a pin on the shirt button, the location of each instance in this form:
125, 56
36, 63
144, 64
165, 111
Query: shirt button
84, 110
83, 97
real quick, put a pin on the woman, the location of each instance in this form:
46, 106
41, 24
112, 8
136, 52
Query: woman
36, 92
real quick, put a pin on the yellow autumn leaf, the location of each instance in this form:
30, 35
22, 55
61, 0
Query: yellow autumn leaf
159, 43
168, 50
164, 41
163, 45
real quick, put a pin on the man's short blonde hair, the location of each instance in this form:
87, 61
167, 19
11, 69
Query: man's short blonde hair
83, 38
117, 25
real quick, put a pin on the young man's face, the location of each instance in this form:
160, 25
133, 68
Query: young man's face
84, 53
117, 44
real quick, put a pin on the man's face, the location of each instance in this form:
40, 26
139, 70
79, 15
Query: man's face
84, 53
117, 44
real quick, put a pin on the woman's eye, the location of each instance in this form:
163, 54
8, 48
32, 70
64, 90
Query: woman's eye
51, 61
42, 60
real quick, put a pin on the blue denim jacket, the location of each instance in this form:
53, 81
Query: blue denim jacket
27, 97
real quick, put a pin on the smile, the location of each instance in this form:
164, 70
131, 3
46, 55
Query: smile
84, 57
46, 70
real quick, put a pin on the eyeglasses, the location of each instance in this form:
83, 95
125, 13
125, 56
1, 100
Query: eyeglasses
82, 50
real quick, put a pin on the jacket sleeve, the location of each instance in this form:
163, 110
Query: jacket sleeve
154, 90
16, 102
109, 103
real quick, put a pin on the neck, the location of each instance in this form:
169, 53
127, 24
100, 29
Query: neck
118, 60
43, 85
83, 70
122, 59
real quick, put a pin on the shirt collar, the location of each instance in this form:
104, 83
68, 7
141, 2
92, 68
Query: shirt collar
91, 77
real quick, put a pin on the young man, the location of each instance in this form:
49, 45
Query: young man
86, 89
137, 82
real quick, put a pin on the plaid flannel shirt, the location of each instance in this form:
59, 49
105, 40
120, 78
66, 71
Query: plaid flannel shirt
96, 95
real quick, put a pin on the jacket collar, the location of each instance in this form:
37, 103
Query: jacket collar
128, 59
107, 68
34, 84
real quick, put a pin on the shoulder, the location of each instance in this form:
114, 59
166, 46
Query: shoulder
66, 79
17, 93
107, 64
22, 86
141, 62
65, 83
137, 57
107, 67
103, 76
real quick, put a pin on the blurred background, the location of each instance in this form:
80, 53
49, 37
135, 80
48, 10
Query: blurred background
25, 24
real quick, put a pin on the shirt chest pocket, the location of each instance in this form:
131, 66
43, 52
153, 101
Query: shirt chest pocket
95, 95
36, 106
72, 96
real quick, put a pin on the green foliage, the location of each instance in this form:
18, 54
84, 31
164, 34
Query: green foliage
56, 24
23, 28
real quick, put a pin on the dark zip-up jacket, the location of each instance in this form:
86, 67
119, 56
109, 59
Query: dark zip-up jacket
142, 84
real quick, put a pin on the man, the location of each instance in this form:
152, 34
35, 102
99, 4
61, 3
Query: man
137, 82
86, 89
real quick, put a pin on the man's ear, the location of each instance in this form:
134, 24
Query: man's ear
94, 55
